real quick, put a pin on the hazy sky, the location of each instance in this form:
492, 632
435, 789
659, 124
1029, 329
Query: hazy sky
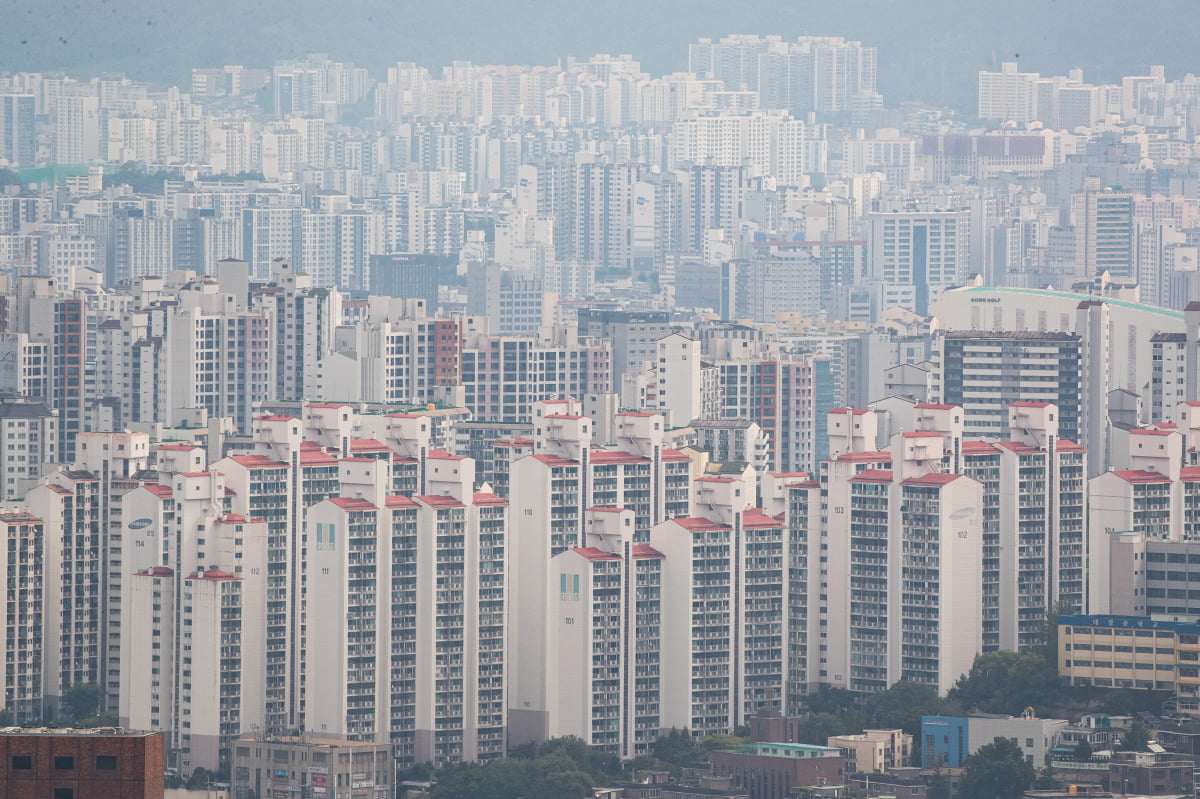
928, 49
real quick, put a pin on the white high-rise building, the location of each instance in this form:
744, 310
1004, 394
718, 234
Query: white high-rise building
1008, 95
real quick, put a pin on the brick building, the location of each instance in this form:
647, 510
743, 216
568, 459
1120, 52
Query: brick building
99, 763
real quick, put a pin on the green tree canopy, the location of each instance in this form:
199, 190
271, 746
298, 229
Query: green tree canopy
1006, 682
1083, 751
81, 702
996, 771
1135, 739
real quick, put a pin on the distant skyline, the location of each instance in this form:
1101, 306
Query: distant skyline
928, 51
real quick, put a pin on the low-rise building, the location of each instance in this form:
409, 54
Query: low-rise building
771, 770
316, 768
98, 763
948, 741
1129, 652
874, 750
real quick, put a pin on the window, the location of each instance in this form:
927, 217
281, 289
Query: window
22, 762
106, 762
64, 763
64, 793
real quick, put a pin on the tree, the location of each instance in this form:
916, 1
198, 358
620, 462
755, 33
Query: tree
830, 700
1045, 780
1083, 751
1063, 607
200, 778
1006, 682
1136, 738
81, 702
996, 771
676, 747
939, 787
902, 706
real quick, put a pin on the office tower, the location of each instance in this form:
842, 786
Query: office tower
915, 255
18, 139
1104, 232
1008, 95
408, 275
25, 615
985, 372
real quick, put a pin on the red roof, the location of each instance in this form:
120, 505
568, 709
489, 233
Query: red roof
646, 551
873, 476
400, 501
157, 571
713, 480
274, 418
865, 457
485, 498
1028, 404
977, 448
1150, 431
366, 445
931, 479
555, 460
313, 457
931, 406
674, 455
1141, 476
195, 474
257, 462
326, 405
213, 574
1066, 445
699, 525
440, 501
163, 492
755, 517
1189, 474
922, 434
598, 509
352, 503
616, 456
591, 553
443, 455
853, 411
1017, 446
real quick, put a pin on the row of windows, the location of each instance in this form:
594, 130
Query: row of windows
64, 763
